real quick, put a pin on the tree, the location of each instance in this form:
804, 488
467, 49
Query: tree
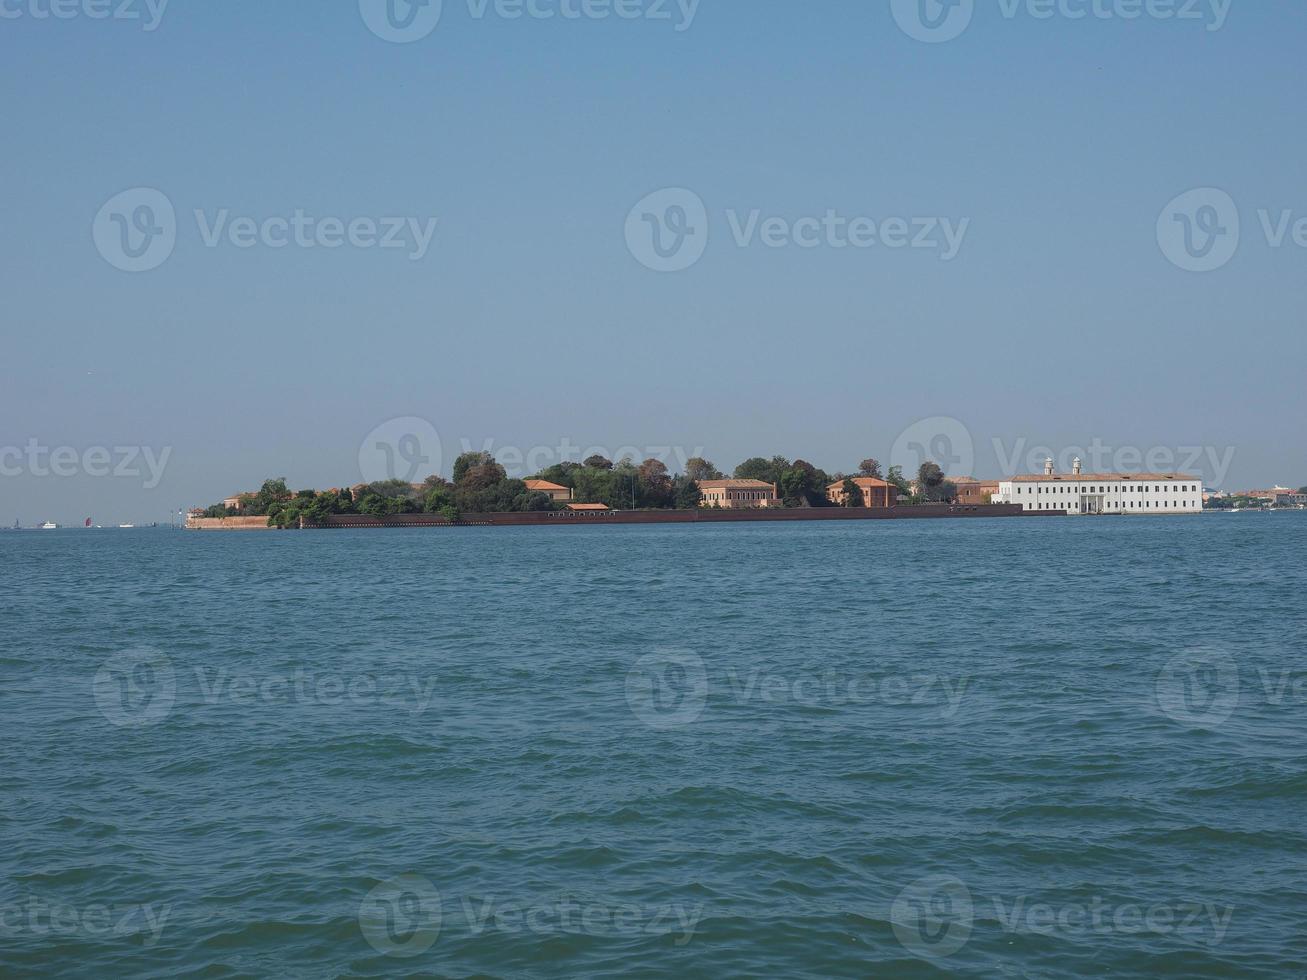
597, 462
655, 485
803, 485
930, 475
852, 494
895, 479
272, 492
870, 467
469, 461
932, 486
766, 470
687, 495
697, 468
482, 477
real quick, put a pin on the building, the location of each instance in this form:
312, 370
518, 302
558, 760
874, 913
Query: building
973, 491
738, 494
589, 508
875, 493
1103, 493
1287, 498
234, 502
556, 493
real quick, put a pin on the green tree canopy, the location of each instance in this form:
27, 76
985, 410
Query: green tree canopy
469, 461
697, 468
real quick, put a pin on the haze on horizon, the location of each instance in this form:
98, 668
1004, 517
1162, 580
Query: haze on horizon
1043, 167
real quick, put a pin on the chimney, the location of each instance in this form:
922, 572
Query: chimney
1048, 467
1075, 467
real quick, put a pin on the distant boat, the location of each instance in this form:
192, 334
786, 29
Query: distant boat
88, 523
126, 525
49, 526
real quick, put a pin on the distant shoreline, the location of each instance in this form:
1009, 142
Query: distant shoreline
707, 515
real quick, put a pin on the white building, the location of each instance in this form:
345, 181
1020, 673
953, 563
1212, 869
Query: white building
1103, 493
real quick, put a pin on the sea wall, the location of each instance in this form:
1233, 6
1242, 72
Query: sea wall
227, 524
701, 516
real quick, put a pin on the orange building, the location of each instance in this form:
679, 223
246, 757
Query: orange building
556, 493
875, 493
973, 491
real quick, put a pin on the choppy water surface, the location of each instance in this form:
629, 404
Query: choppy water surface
987, 748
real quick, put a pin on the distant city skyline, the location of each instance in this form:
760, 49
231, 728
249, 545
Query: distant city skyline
239, 240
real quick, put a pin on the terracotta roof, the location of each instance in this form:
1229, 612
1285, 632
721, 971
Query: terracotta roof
734, 485
542, 485
863, 481
1102, 477
588, 507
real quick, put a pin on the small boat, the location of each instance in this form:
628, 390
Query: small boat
125, 526
49, 526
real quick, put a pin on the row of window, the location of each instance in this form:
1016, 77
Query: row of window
1141, 504
1142, 488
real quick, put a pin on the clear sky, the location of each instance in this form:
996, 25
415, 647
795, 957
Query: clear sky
1051, 147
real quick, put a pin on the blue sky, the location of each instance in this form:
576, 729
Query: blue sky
528, 320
